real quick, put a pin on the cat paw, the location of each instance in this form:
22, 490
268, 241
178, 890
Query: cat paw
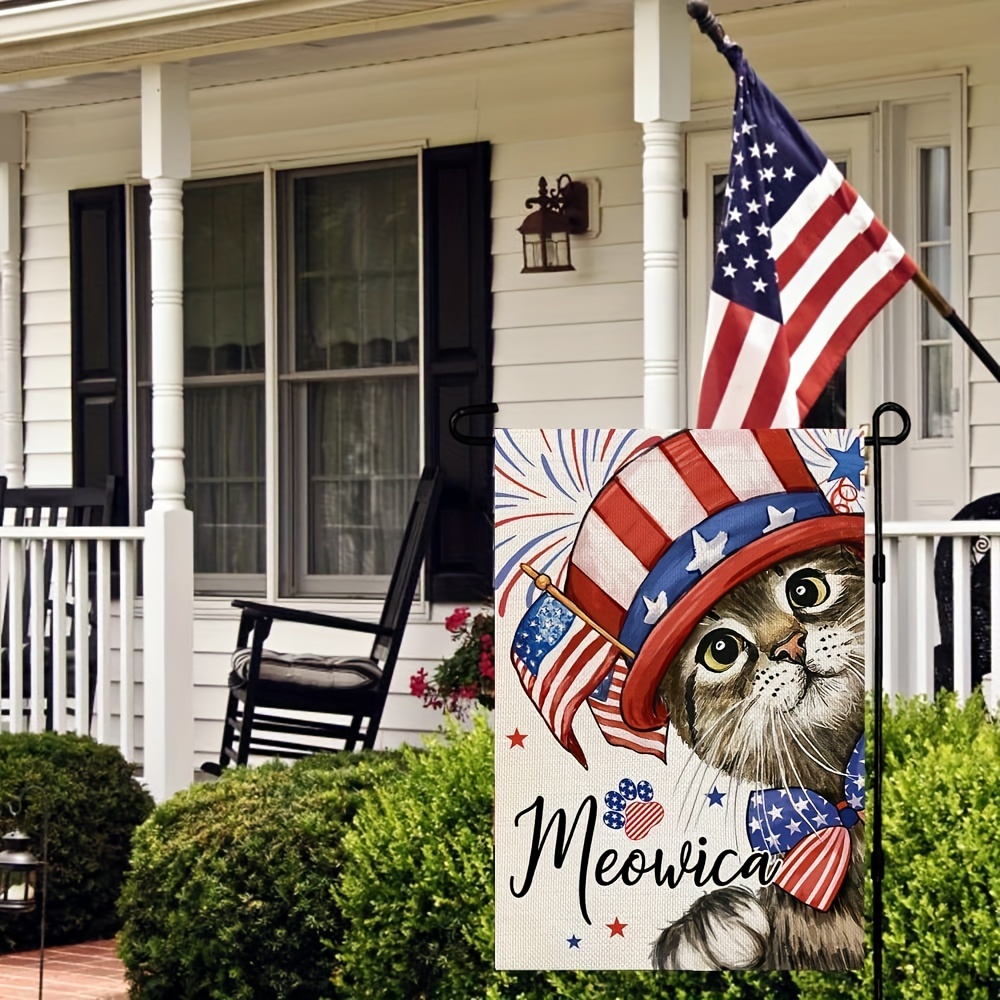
632, 808
725, 929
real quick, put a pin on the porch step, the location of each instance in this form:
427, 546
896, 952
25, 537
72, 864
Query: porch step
73, 972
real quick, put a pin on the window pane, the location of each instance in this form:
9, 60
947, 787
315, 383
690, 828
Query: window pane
936, 391
225, 476
935, 262
363, 454
224, 276
935, 194
355, 267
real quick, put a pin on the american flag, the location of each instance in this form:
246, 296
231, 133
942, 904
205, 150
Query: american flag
605, 704
801, 267
560, 660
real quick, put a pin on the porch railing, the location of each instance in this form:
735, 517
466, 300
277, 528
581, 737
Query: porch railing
68, 603
912, 629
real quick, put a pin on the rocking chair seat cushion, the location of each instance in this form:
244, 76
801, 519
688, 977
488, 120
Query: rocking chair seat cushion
291, 677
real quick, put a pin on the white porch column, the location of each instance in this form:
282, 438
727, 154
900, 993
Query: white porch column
168, 565
11, 411
662, 66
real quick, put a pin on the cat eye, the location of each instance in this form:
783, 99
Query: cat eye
720, 649
807, 588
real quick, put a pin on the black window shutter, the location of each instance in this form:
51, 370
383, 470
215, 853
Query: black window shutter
458, 364
97, 310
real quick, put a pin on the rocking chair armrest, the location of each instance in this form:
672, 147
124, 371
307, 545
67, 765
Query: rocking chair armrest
274, 612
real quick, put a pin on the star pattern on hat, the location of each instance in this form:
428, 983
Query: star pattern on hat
778, 518
656, 609
706, 553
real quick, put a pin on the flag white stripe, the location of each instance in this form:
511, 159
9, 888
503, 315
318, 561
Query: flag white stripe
870, 272
717, 306
813, 197
742, 387
823, 257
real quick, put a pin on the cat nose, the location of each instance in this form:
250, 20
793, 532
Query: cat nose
791, 648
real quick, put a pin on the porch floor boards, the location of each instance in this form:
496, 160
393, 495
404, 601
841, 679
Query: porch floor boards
73, 972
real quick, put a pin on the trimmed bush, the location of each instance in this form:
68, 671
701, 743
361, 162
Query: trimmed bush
94, 805
229, 892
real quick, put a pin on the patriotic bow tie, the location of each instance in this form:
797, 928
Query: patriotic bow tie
810, 832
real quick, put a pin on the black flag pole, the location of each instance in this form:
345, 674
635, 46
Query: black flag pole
709, 25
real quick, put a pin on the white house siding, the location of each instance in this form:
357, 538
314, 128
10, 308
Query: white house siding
568, 347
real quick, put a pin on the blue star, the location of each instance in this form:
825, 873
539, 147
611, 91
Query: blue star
850, 464
574, 941
714, 796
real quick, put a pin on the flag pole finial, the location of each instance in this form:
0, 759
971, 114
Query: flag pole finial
708, 23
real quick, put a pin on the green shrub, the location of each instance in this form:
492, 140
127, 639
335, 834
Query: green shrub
941, 836
229, 891
94, 804
417, 891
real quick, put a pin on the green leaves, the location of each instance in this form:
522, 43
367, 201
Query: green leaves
94, 805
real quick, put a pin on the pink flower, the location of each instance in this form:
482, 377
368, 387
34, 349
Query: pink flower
454, 622
486, 642
469, 691
485, 664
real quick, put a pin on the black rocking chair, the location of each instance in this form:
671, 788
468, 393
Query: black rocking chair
48, 507
352, 686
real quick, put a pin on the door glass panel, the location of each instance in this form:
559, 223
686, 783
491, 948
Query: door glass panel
830, 409
934, 255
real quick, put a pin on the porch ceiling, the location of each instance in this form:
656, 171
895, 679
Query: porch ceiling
58, 53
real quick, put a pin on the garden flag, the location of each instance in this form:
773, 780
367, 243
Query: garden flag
680, 765
801, 267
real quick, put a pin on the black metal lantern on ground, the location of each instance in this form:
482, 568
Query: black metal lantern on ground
19, 875
19, 870
563, 211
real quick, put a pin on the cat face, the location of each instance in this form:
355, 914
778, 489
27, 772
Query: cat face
769, 686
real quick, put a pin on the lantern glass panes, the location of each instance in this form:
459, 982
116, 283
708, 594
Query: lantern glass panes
545, 234
18, 874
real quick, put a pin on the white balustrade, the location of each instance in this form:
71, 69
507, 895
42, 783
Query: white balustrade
912, 631
56, 596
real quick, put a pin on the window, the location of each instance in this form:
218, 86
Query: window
935, 251
350, 372
223, 376
382, 327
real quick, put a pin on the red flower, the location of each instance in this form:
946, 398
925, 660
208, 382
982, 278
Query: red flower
485, 664
418, 683
486, 642
454, 622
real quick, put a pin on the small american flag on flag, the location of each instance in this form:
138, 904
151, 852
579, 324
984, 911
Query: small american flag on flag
560, 660
801, 267
605, 704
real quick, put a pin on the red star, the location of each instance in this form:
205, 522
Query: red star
617, 928
516, 739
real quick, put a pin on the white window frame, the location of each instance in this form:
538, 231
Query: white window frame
212, 604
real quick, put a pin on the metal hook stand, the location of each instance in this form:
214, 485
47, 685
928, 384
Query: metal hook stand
877, 440
477, 409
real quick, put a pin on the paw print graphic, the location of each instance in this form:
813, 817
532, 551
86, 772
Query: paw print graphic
632, 808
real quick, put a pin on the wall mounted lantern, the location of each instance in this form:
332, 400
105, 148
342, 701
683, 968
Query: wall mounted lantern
563, 211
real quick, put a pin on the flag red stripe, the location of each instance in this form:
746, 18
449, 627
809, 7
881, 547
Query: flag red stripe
812, 234
722, 360
698, 473
784, 458
774, 377
632, 523
553, 672
850, 329
570, 677
603, 608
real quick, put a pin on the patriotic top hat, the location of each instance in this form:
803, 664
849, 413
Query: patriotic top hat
685, 522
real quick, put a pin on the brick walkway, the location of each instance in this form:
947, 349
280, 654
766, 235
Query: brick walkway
74, 972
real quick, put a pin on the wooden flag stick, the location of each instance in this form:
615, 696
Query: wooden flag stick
947, 312
544, 583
